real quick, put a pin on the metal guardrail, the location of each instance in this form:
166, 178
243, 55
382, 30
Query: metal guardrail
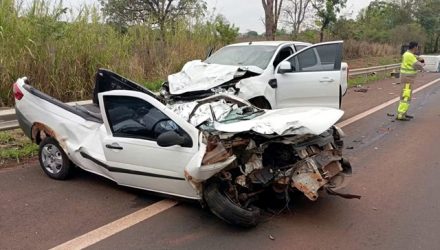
8, 121
366, 71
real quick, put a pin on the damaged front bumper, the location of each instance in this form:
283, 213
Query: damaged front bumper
251, 165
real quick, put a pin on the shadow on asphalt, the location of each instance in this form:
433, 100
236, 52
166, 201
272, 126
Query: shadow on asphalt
326, 210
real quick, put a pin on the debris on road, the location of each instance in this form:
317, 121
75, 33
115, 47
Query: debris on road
362, 90
345, 196
349, 147
271, 237
390, 115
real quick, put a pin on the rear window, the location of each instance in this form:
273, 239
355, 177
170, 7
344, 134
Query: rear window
246, 55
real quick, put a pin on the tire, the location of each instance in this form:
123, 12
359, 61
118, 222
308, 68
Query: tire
53, 160
226, 210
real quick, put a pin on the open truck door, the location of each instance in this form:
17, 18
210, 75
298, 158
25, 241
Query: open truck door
310, 77
146, 144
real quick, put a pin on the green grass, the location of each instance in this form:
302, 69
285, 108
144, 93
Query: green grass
362, 80
14, 145
154, 85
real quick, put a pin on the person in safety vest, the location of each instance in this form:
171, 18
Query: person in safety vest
408, 72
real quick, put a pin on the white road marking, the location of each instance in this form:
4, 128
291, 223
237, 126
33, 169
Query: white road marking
381, 106
123, 223
117, 226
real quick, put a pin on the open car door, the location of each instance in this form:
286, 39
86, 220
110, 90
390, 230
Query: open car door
310, 77
147, 145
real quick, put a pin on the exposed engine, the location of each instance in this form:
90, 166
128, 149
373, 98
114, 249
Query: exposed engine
304, 163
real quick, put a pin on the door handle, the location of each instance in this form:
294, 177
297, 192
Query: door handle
114, 146
326, 79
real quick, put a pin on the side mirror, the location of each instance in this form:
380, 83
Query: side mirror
171, 138
285, 67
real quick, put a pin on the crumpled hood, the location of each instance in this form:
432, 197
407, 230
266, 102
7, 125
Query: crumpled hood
199, 76
289, 121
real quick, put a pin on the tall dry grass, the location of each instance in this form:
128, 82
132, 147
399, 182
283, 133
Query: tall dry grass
60, 52
359, 49
61, 57
353, 49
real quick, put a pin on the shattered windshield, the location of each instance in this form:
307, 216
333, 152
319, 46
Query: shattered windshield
248, 55
215, 109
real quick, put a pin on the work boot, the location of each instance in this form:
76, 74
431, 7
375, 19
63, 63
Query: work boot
402, 117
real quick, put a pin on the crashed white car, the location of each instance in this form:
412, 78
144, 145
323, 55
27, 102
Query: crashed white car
220, 150
271, 75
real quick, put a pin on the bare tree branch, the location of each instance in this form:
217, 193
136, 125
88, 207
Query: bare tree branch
295, 13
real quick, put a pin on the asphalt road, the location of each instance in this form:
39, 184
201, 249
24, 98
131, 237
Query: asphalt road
396, 166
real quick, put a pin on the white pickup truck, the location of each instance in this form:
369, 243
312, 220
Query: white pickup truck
220, 150
270, 75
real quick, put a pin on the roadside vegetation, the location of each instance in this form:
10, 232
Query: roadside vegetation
15, 146
366, 79
60, 49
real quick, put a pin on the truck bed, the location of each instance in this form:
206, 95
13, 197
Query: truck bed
89, 112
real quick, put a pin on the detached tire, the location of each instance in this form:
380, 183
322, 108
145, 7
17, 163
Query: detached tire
53, 160
228, 211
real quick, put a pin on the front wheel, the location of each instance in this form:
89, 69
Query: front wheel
53, 160
225, 209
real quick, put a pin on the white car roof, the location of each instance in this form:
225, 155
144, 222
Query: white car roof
270, 43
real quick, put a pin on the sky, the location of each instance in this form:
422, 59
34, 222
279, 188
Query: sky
248, 14
245, 14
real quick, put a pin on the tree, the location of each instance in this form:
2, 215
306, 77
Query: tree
408, 32
385, 15
272, 12
427, 14
295, 13
326, 11
346, 29
252, 33
225, 32
156, 13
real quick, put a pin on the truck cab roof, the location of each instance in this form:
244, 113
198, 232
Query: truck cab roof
270, 43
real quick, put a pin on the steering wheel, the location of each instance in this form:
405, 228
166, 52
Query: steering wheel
153, 129
140, 112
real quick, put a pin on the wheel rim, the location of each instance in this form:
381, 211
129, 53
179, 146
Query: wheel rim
52, 158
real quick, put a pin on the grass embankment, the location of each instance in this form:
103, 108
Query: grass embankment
61, 57
371, 62
363, 80
15, 146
